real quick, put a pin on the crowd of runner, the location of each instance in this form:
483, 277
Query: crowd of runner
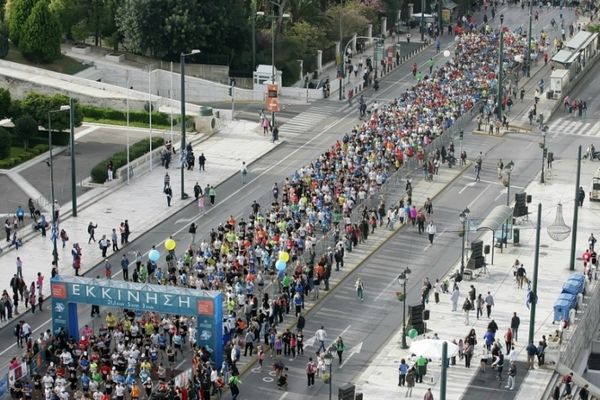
240, 257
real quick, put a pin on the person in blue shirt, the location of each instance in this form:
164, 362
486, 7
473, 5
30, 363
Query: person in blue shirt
85, 382
532, 351
402, 370
20, 215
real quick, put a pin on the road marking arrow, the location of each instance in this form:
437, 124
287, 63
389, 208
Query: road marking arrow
310, 342
355, 350
468, 185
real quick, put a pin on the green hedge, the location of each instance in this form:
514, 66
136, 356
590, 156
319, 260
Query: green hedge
25, 156
136, 150
58, 138
98, 113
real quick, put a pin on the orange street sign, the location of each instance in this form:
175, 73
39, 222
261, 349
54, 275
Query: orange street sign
272, 103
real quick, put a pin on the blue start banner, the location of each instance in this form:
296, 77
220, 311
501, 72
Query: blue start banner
205, 306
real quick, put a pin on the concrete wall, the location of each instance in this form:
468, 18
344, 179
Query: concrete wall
197, 90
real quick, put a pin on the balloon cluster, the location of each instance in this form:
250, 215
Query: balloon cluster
281, 264
154, 255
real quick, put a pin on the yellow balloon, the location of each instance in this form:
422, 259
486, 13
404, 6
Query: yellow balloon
170, 244
284, 256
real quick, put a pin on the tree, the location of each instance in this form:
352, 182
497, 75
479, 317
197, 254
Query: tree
18, 11
4, 143
39, 105
80, 31
40, 38
67, 12
354, 20
26, 127
5, 103
3, 39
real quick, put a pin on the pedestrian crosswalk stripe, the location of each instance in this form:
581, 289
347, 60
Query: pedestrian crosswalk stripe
567, 126
306, 120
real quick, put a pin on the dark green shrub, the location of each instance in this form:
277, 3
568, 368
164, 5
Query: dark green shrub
119, 159
5, 141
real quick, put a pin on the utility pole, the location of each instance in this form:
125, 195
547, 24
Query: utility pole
500, 75
575, 212
72, 148
444, 373
542, 180
342, 54
528, 59
422, 20
536, 262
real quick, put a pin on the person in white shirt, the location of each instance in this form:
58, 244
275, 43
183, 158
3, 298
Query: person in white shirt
48, 381
513, 355
321, 335
431, 231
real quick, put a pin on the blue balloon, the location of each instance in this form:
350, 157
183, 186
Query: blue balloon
280, 264
154, 255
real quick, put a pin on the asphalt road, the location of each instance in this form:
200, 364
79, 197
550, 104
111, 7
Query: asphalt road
373, 321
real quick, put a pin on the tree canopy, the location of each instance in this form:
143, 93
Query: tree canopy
40, 37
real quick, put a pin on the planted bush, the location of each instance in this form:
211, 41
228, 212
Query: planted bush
99, 173
97, 113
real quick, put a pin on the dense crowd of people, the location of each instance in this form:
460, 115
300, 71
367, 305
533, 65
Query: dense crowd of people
276, 242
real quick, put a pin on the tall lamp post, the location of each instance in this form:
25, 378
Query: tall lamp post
509, 167
528, 55
402, 279
575, 212
464, 217
328, 358
272, 17
342, 55
52, 197
183, 124
543, 146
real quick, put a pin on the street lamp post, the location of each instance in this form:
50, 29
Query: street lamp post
328, 358
528, 59
342, 55
71, 108
422, 20
272, 17
536, 261
402, 279
543, 146
575, 212
183, 124
52, 195
500, 74
509, 167
464, 217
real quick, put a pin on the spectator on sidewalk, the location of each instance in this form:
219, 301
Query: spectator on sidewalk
91, 230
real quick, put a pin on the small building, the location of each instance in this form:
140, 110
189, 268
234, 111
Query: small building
558, 80
577, 51
262, 76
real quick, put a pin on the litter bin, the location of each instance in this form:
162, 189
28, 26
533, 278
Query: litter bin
516, 236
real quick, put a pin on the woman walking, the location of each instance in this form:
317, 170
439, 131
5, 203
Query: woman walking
360, 289
410, 381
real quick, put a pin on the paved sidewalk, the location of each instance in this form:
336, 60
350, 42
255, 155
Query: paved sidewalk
142, 202
380, 379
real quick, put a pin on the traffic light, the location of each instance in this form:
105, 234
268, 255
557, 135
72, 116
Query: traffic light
461, 134
231, 86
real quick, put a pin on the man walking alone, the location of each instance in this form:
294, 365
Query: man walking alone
431, 231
